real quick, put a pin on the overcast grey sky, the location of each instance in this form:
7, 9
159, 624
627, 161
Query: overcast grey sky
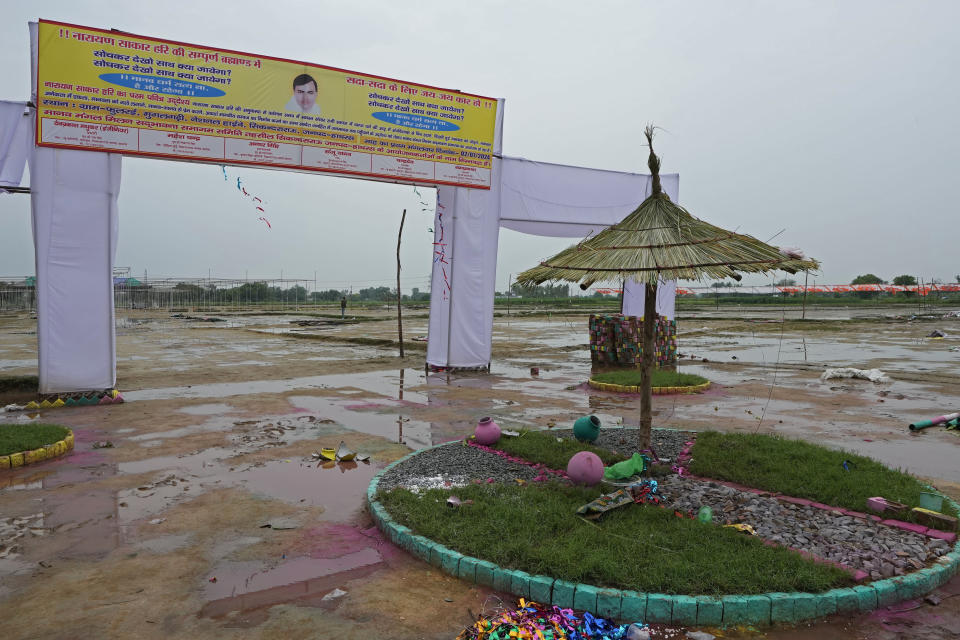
835, 120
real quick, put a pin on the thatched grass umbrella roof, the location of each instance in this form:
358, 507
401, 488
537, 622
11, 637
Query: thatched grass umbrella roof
661, 240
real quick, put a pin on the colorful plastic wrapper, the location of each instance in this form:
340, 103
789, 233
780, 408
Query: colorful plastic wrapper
534, 621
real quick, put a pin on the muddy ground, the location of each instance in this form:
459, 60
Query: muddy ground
162, 535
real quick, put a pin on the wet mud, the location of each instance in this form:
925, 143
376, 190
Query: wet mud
165, 534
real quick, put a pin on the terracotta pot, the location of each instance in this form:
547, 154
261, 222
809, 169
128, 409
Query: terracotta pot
487, 431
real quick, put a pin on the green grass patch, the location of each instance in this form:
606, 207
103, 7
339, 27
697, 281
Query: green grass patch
801, 470
19, 383
15, 438
660, 378
647, 549
543, 447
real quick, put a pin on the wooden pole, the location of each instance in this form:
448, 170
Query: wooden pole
399, 312
646, 366
806, 275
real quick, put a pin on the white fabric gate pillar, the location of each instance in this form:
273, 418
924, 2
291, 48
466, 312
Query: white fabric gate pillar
466, 234
74, 208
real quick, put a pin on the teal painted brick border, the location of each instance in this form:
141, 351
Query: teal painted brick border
804, 606
520, 584
635, 607
502, 579
826, 604
684, 610
886, 592
847, 601
468, 569
782, 607
563, 592
585, 598
485, 571
608, 603
541, 589
866, 597
659, 608
709, 611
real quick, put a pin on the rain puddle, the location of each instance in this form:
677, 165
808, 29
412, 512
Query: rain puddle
247, 586
206, 409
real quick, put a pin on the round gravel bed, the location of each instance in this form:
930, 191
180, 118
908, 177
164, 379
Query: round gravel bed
859, 543
453, 465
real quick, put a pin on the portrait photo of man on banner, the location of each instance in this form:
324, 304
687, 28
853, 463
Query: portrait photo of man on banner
304, 98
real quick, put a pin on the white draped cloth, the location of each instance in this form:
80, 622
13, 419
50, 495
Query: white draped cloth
537, 198
15, 142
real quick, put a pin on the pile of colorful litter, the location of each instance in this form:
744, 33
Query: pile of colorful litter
533, 621
643, 492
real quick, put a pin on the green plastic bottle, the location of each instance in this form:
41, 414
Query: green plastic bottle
705, 515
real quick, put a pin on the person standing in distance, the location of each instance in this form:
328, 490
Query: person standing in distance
343, 306
304, 98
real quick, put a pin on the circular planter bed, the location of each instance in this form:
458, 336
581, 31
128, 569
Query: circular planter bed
657, 564
22, 444
663, 382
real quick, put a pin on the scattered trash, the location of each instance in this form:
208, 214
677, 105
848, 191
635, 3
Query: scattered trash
643, 492
632, 466
936, 333
333, 595
281, 524
636, 632
873, 375
552, 622
705, 515
511, 434
157, 520
880, 505
923, 424
454, 501
534, 371
344, 454
700, 635
935, 519
847, 464
742, 528
932, 598
448, 599
105, 444
326, 454
14, 407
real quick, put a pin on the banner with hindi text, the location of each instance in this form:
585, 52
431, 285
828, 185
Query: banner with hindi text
111, 91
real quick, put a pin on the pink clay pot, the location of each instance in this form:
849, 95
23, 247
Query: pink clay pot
487, 431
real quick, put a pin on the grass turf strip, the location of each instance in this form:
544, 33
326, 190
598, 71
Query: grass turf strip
802, 470
660, 378
643, 548
542, 447
15, 438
